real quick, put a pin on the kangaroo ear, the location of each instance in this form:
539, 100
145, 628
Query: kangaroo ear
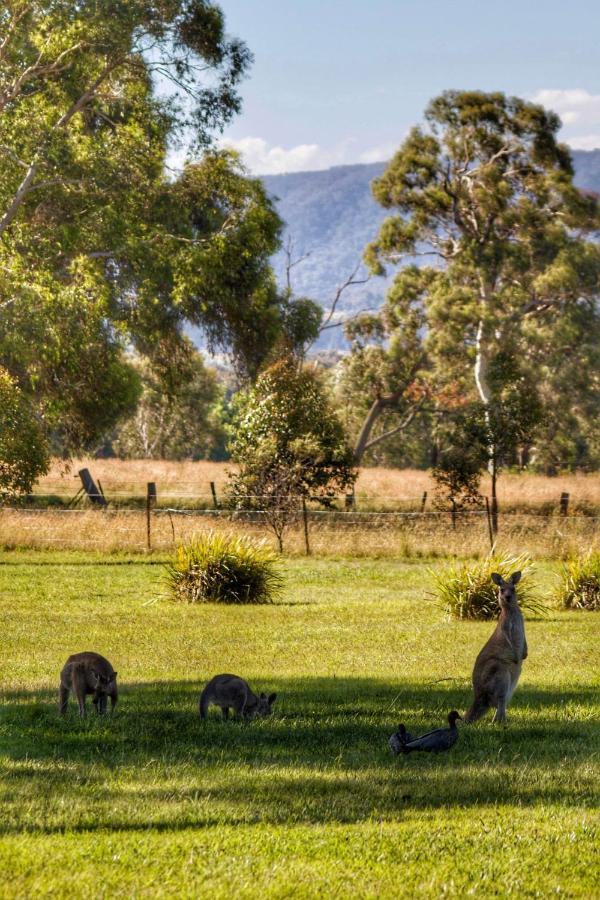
497, 579
515, 577
272, 699
114, 674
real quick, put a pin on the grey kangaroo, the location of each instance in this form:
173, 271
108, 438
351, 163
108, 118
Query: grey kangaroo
498, 666
88, 673
232, 692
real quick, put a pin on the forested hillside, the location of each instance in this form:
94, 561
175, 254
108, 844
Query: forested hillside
331, 215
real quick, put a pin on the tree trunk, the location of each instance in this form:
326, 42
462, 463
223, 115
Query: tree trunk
481, 380
367, 427
494, 474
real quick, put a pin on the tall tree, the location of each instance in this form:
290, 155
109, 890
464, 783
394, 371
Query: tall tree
487, 191
98, 248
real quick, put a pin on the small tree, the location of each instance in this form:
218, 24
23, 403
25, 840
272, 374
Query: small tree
289, 445
460, 464
23, 450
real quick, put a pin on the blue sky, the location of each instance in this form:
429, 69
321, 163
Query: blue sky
340, 82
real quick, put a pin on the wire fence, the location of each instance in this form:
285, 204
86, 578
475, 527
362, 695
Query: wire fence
352, 532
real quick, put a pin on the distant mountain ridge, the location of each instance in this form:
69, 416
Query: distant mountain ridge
331, 215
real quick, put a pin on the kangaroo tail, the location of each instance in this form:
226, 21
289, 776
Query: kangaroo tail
477, 709
203, 704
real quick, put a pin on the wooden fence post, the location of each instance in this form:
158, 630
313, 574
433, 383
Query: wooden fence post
213, 491
423, 501
305, 518
564, 503
150, 503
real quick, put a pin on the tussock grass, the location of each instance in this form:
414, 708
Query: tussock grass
466, 591
580, 583
221, 568
307, 803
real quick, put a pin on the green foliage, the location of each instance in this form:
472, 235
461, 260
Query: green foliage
580, 583
216, 568
289, 444
182, 422
466, 590
101, 251
23, 449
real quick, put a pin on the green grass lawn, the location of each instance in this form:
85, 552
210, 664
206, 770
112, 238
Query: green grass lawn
309, 803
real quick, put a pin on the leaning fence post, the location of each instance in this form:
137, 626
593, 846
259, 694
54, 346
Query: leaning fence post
564, 503
213, 491
489, 521
423, 501
150, 502
305, 518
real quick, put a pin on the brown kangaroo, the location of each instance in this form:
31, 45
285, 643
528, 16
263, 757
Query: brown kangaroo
231, 691
88, 673
498, 666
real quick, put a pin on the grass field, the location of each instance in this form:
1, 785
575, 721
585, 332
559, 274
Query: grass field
310, 803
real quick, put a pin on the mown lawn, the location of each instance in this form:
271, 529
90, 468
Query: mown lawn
152, 802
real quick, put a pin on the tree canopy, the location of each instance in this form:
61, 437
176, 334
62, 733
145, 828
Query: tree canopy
100, 250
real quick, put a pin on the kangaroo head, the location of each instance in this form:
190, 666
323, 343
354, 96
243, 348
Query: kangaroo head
506, 589
104, 682
265, 704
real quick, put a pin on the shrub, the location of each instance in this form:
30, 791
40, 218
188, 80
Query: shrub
467, 591
223, 569
580, 583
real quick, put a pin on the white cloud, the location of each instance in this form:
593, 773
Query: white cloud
580, 114
263, 158
378, 154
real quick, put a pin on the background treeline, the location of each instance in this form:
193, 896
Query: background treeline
483, 353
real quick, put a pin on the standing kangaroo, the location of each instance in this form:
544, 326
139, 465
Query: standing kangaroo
498, 666
231, 691
88, 673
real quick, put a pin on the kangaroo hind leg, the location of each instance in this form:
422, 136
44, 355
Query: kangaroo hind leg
502, 696
63, 698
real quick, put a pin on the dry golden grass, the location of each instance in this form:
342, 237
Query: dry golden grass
343, 535
182, 483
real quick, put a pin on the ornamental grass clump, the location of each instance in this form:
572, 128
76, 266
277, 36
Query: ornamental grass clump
218, 568
466, 590
580, 583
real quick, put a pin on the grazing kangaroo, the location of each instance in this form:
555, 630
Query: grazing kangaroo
88, 673
498, 666
231, 691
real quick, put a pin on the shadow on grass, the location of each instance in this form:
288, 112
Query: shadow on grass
323, 757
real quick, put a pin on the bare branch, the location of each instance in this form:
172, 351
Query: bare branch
401, 427
342, 322
290, 262
351, 280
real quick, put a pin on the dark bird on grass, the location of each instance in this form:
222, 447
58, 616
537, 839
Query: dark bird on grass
435, 741
399, 739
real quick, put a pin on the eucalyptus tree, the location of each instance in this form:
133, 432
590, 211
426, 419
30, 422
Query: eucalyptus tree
486, 192
99, 248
